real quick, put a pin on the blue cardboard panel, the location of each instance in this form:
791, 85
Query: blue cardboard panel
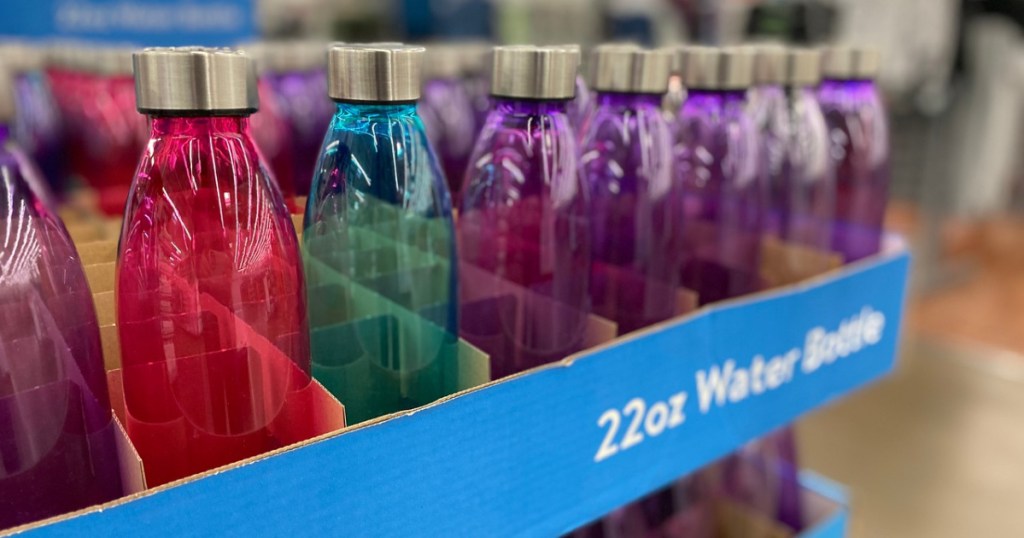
545, 452
136, 22
835, 524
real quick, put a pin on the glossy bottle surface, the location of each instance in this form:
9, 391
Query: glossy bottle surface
859, 136
717, 166
524, 233
211, 307
626, 152
57, 435
449, 118
379, 251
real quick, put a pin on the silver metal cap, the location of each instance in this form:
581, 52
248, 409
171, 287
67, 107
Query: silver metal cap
769, 64
850, 63
22, 57
195, 79
443, 61
628, 68
713, 68
532, 72
112, 61
7, 105
803, 67
377, 72
288, 56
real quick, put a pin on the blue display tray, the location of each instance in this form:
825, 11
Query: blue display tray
548, 450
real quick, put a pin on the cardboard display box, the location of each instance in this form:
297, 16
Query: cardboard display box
546, 451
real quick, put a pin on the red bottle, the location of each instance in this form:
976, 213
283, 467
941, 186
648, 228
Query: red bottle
210, 296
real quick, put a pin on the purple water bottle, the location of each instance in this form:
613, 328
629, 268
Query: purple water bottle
296, 79
447, 112
718, 168
524, 232
626, 164
770, 110
859, 135
58, 446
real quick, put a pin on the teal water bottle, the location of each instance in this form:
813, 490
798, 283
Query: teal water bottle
378, 240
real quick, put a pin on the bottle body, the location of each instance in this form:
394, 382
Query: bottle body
58, 438
450, 122
769, 110
804, 206
210, 299
524, 231
38, 127
626, 164
859, 136
379, 252
717, 166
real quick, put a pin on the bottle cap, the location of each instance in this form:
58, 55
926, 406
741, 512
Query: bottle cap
7, 105
187, 79
22, 57
714, 68
375, 72
803, 67
769, 64
288, 56
531, 72
850, 63
443, 61
629, 68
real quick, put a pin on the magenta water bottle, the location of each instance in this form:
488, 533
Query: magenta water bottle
447, 112
58, 439
524, 232
859, 133
211, 303
626, 164
718, 168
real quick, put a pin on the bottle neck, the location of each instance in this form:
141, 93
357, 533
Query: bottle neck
379, 109
510, 105
199, 125
616, 99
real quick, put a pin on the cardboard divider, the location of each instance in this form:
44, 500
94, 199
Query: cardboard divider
785, 263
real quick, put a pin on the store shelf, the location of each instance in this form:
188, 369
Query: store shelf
556, 447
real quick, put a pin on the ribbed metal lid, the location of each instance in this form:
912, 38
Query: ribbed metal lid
850, 63
531, 72
375, 72
629, 68
22, 57
195, 79
803, 67
714, 68
769, 64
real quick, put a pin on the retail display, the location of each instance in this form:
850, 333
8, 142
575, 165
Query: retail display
211, 304
58, 449
524, 217
379, 242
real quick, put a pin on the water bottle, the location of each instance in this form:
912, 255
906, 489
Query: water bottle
379, 241
447, 111
626, 164
859, 134
59, 444
524, 221
211, 304
719, 170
